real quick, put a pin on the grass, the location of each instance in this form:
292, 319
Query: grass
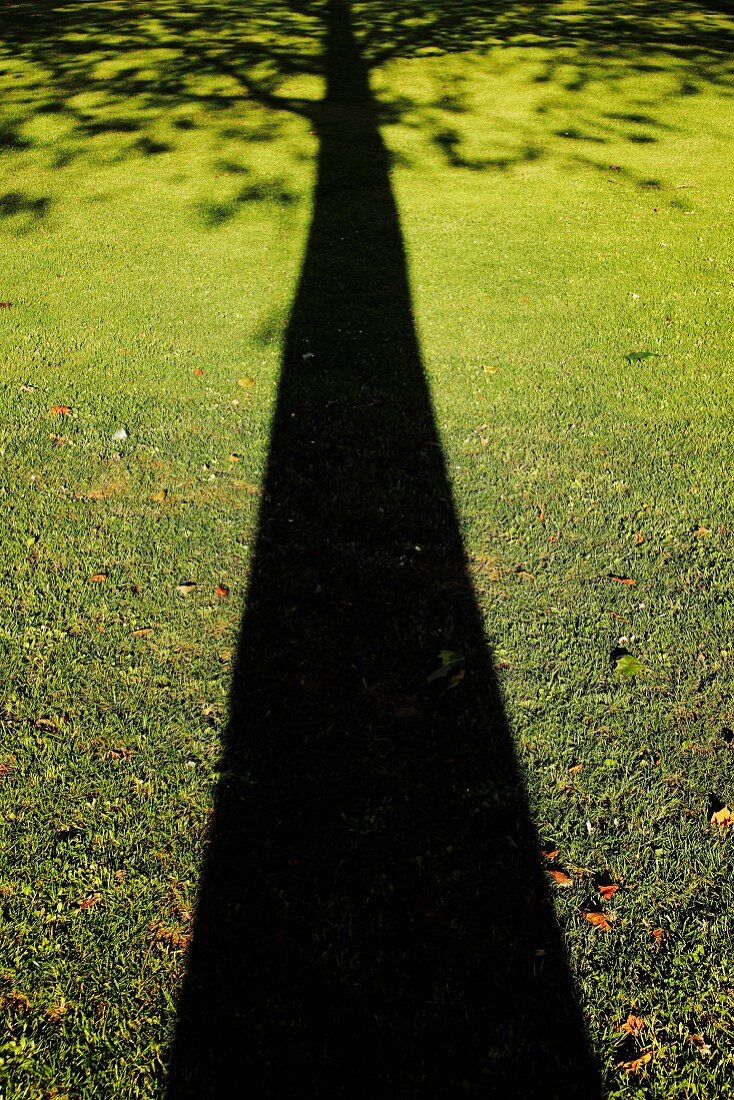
564, 207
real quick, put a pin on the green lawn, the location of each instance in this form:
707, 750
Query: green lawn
563, 177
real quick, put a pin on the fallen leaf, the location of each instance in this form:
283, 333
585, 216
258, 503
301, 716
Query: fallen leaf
639, 539
541, 514
88, 902
247, 383
626, 666
637, 1063
185, 587
26, 387
159, 497
700, 1043
222, 590
700, 532
575, 769
658, 934
549, 853
97, 578
449, 664
633, 1025
143, 632
622, 580
723, 817
122, 752
608, 892
561, 878
5, 305
60, 410
58, 440
491, 370
641, 356
198, 372
235, 458
597, 919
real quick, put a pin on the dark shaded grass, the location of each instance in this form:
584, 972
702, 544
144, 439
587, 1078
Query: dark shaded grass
373, 917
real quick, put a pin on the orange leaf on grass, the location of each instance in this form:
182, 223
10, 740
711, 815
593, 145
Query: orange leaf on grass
597, 919
87, 903
639, 538
723, 817
97, 578
608, 892
658, 934
637, 1063
222, 591
198, 372
622, 580
60, 410
633, 1025
561, 878
549, 853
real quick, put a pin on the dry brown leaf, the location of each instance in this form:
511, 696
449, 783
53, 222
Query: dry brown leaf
575, 769
608, 892
700, 532
639, 538
142, 632
235, 458
159, 497
637, 1063
597, 919
723, 817
60, 410
97, 578
198, 372
633, 1025
700, 1043
549, 853
89, 901
622, 580
185, 588
561, 878
541, 514
222, 591
120, 752
658, 934
247, 383
5, 305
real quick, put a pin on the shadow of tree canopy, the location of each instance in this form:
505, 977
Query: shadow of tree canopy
117, 68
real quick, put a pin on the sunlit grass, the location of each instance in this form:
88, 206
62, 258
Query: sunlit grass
564, 204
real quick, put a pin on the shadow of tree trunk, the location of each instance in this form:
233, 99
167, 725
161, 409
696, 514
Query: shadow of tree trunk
373, 918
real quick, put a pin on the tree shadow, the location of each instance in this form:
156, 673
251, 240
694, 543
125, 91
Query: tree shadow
373, 917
